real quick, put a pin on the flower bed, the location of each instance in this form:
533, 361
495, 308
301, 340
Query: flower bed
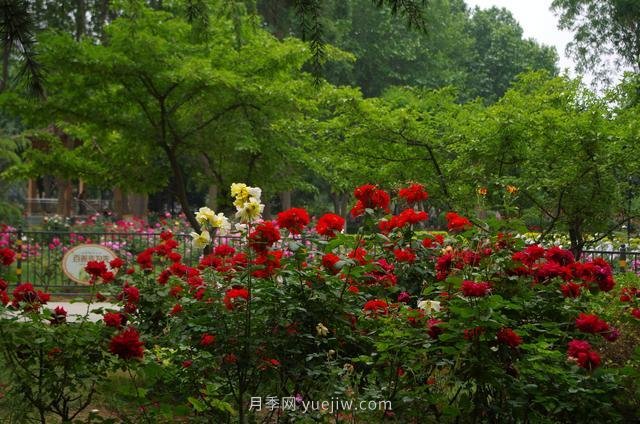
467, 326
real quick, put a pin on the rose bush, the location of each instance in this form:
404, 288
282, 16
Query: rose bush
474, 324
464, 327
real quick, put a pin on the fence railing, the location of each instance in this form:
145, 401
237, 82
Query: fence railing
622, 260
40, 254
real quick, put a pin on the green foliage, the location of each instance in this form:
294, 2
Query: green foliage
499, 53
457, 47
155, 103
605, 33
17, 30
50, 370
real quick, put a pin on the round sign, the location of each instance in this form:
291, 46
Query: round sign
76, 258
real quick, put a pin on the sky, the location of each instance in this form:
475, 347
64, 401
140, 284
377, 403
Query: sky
538, 22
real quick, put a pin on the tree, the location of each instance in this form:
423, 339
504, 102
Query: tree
607, 33
499, 53
157, 98
17, 30
561, 146
479, 53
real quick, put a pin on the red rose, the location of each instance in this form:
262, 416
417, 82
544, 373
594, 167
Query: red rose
430, 242
207, 339
230, 358
145, 258
95, 268
472, 333
59, 316
163, 277
268, 263
589, 360
114, 319
174, 257
107, 277
570, 289
224, 250
116, 263
177, 308
443, 266
329, 261
7, 256
473, 289
376, 306
404, 255
370, 197
329, 224
127, 344
561, 256
264, 236
4, 297
457, 222
591, 324
27, 294
130, 294
359, 255
175, 291
626, 294
576, 346
404, 297
434, 330
294, 220
414, 193
233, 296
529, 255
509, 337
612, 335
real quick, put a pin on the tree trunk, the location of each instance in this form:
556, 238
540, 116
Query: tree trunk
138, 203
102, 19
285, 200
180, 191
340, 203
81, 19
266, 214
6, 55
577, 241
212, 196
65, 197
120, 206
32, 197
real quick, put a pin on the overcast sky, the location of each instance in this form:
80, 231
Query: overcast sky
538, 22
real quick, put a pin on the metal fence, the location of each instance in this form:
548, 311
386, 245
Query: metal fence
622, 260
40, 254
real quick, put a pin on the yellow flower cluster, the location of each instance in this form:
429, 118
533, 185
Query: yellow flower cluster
247, 202
249, 209
206, 216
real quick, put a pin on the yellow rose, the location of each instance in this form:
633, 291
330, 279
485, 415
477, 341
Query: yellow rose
200, 241
205, 215
250, 211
